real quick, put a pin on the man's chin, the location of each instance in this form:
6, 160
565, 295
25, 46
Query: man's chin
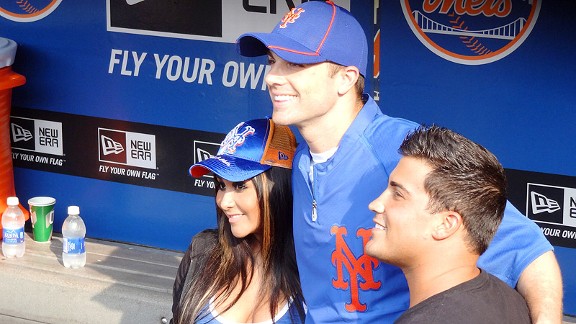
370, 248
281, 119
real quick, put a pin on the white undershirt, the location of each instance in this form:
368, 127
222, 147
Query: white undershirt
320, 158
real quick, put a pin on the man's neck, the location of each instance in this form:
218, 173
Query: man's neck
325, 132
427, 281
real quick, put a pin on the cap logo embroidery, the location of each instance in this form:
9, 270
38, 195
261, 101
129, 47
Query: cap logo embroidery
291, 17
234, 139
282, 156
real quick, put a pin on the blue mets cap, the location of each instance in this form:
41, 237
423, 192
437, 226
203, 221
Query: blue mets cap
249, 149
314, 32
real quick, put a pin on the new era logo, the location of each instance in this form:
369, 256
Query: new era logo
37, 135
127, 148
205, 150
109, 146
19, 133
551, 204
541, 203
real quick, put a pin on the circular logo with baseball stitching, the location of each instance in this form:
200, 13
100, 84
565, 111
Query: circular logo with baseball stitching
27, 10
471, 32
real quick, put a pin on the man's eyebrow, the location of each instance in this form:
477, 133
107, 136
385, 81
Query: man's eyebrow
399, 186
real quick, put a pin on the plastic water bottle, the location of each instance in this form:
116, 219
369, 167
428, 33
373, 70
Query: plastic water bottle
13, 244
73, 231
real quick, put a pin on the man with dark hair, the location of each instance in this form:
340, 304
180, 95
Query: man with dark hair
444, 202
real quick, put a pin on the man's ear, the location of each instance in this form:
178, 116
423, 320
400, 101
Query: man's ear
448, 223
349, 75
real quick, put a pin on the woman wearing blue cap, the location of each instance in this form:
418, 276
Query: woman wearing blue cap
245, 271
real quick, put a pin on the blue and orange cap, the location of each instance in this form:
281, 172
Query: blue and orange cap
249, 149
314, 32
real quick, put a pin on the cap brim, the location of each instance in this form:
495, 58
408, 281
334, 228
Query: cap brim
257, 44
228, 168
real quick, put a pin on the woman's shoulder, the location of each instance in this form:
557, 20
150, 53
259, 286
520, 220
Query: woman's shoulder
203, 241
210, 234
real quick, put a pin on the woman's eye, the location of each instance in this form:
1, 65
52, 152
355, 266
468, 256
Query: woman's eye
240, 186
220, 185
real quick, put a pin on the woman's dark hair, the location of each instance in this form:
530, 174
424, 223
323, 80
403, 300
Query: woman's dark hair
230, 262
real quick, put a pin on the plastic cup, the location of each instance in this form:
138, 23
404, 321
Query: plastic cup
42, 217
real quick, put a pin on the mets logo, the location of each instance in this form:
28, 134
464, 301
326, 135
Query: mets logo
27, 10
234, 139
471, 32
360, 271
291, 17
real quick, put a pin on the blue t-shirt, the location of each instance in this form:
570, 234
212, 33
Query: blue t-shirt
339, 282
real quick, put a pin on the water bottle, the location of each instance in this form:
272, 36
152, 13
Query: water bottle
13, 244
73, 231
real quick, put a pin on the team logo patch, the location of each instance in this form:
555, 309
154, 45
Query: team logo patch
471, 32
354, 274
235, 138
291, 17
27, 10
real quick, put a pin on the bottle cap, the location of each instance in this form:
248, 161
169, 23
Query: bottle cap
73, 210
12, 201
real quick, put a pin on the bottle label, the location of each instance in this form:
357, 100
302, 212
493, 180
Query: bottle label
13, 236
73, 245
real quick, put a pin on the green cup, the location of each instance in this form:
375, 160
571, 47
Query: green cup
42, 217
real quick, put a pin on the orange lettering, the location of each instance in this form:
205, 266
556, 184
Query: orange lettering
488, 8
430, 6
291, 17
362, 267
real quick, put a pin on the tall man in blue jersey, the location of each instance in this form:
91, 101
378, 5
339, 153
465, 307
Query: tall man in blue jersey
318, 57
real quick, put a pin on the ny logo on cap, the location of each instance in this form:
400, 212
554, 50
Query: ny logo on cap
235, 139
291, 17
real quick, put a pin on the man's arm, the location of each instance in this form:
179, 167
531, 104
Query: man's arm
541, 285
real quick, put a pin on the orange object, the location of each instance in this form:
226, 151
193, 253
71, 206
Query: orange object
8, 80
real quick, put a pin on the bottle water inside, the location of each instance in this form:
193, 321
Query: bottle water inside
73, 232
13, 244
